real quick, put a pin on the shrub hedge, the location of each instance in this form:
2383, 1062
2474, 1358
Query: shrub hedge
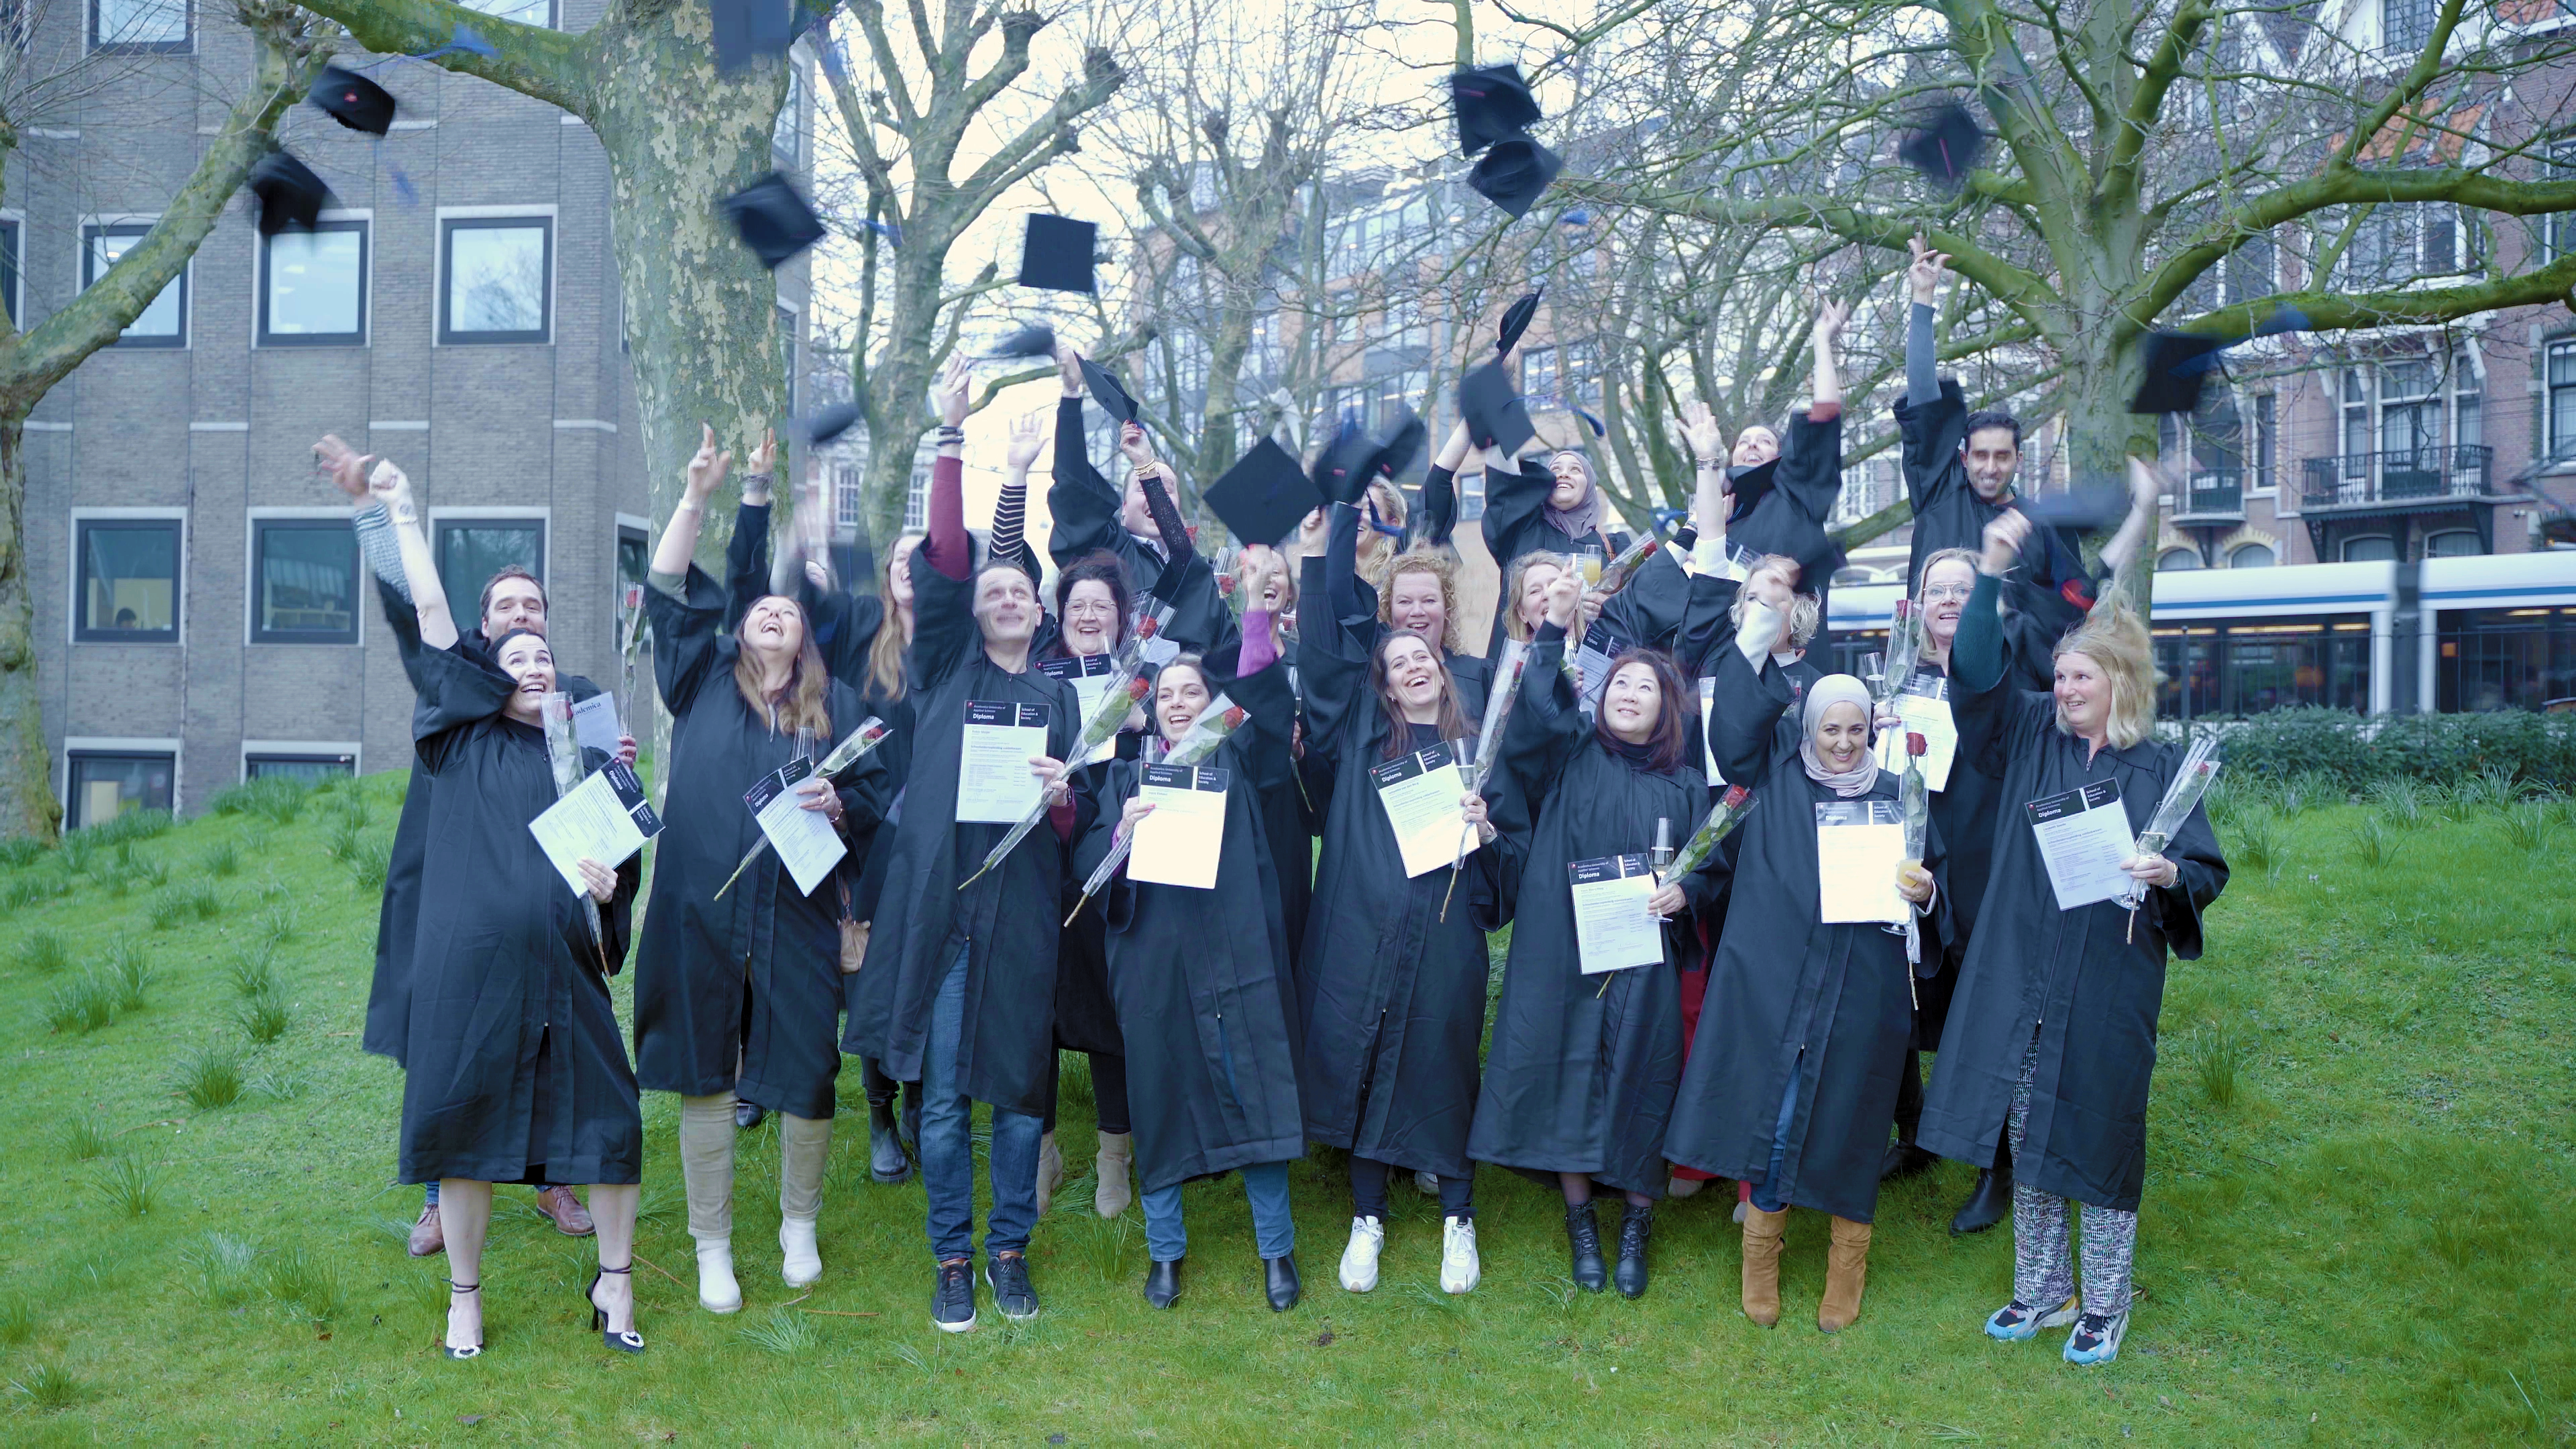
2531, 751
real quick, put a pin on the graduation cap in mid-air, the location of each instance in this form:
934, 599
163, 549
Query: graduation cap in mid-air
1516, 320
353, 100
1029, 339
2177, 363
1342, 469
1057, 254
1599, 428
1492, 102
1945, 147
290, 195
1513, 172
2086, 508
775, 222
827, 422
1105, 391
1495, 414
1264, 496
746, 30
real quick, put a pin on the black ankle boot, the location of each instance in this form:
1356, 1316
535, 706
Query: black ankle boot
1584, 1237
1634, 1229
1904, 1160
1162, 1283
1990, 1202
1279, 1280
886, 1160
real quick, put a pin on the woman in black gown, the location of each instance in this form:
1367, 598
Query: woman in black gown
516, 1071
1579, 1084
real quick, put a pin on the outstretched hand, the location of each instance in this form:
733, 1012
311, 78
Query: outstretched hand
764, 458
1830, 317
1700, 430
1923, 275
1026, 440
346, 466
950, 392
2004, 539
707, 468
1068, 368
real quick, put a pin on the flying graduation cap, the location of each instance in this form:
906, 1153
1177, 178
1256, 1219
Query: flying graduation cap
1495, 414
775, 222
1029, 339
1264, 496
1513, 172
1057, 254
289, 194
1516, 320
1945, 147
746, 30
1491, 102
827, 422
353, 100
2177, 363
1105, 391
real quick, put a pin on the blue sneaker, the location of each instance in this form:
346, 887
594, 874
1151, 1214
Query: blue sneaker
2096, 1339
2017, 1321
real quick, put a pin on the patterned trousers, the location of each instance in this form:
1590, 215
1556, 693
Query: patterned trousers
2043, 1264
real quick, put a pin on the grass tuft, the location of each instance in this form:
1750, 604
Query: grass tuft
210, 1078
368, 871
306, 1282
87, 1004
129, 972
263, 1017
175, 908
223, 1269
2258, 843
49, 1387
129, 1187
43, 952
275, 800
277, 924
85, 1138
131, 826
223, 862
251, 969
17, 1322
2216, 1060
2375, 843
785, 1332
20, 853
347, 838
2527, 825
2400, 801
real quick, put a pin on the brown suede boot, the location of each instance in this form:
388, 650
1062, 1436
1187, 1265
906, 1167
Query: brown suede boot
1846, 1270
1762, 1264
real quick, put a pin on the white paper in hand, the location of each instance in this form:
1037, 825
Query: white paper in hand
1859, 845
994, 786
1592, 662
805, 841
594, 723
1090, 675
2083, 836
1420, 794
1614, 925
1923, 708
605, 818
1179, 843
1708, 712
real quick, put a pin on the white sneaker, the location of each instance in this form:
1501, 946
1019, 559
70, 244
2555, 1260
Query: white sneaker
1359, 1260
1427, 1183
801, 1261
1459, 1267
717, 1290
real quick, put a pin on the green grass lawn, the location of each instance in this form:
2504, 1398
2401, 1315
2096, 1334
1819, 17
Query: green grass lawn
2359, 1219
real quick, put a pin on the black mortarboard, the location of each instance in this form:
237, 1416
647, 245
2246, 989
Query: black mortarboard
1397, 450
1264, 496
1105, 391
2177, 363
1495, 415
2084, 510
1514, 172
353, 100
1945, 148
1516, 320
1342, 470
1029, 339
828, 422
1492, 102
774, 221
290, 195
1057, 254
745, 30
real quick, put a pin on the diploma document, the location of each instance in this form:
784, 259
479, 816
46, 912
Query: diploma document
1859, 845
1179, 843
605, 819
594, 723
1923, 707
1614, 928
2083, 836
1421, 793
994, 786
1090, 676
1707, 712
805, 841
1592, 662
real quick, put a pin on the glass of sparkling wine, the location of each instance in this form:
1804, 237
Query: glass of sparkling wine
1589, 561
1662, 855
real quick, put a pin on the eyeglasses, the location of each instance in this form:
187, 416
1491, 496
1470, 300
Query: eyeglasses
1937, 593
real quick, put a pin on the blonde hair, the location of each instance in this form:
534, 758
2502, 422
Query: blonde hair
1376, 548
1968, 556
2114, 637
885, 653
1422, 560
1806, 611
1513, 628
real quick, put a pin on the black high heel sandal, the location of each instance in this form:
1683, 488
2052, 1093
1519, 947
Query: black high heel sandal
622, 1340
477, 1350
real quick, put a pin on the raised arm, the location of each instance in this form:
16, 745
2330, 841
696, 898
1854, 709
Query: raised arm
2144, 486
420, 568
1923, 288
680, 536
1440, 488
1011, 510
1750, 697
747, 551
1830, 318
1546, 723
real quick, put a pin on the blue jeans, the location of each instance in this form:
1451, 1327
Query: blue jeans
1265, 1185
1766, 1193
948, 1144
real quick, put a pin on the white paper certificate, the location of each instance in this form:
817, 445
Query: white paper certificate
1707, 715
1592, 662
1179, 843
1923, 707
1614, 927
2083, 836
994, 786
806, 843
1090, 676
1421, 794
605, 819
1859, 845
594, 723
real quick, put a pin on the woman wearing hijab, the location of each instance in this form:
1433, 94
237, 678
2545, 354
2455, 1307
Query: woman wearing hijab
1792, 1081
515, 1069
1579, 1084
738, 996
2052, 1033
1391, 989
1554, 507
1201, 976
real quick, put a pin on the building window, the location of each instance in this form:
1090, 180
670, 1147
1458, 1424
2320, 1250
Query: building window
2406, 24
916, 502
164, 323
129, 581
2177, 560
634, 555
498, 274
2251, 556
2562, 400
1583, 374
2249, 667
9, 268
303, 769
139, 25
2260, 436
786, 139
2494, 659
314, 288
472, 550
2558, 234
2370, 548
2453, 543
848, 501
1471, 496
304, 581
1542, 377
540, 13
104, 786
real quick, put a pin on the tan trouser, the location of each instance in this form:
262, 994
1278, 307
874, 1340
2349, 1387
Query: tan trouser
707, 1138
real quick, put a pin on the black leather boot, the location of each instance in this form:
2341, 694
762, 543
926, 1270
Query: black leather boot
1280, 1275
886, 1160
1162, 1283
1583, 1236
1904, 1160
1634, 1229
1991, 1201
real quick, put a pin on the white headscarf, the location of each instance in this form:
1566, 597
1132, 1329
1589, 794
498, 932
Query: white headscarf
1827, 692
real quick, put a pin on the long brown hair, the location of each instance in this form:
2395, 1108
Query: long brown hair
1669, 745
886, 677
1102, 567
1451, 721
803, 703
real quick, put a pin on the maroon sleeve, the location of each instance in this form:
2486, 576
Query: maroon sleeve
947, 546
1260, 646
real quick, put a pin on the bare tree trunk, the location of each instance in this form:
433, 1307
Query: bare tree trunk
27, 804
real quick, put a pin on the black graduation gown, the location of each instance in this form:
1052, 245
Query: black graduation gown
754, 977
1964, 814
1583, 1068
514, 1069
845, 633
1783, 506
1006, 918
1352, 601
1200, 978
1086, 1019
1390, 997
1789, 992
387, 1031
2031, 966
1084, 509
1516, 523
1289, 822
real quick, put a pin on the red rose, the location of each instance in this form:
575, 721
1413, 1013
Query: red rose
1914, 744
1736, 795
1137, 688
1235, 717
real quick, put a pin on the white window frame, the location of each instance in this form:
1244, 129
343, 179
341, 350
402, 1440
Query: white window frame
252, 518
438, 328
186, 280
72, 575
15, 260
121, 745
301, 750
93, 43
2561, 449
259, 337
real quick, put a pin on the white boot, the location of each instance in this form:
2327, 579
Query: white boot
717, 1291
1459, 1267
801, 1262
1359, 1260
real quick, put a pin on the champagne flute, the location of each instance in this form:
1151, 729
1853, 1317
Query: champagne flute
1662, 855
1588, 561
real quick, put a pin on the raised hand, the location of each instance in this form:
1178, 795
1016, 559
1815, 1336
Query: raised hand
1830, 317
387, 485
1923, 275
764, 459
1564, 598
950, 392
1310, 534
1134, 445
1700, 431
346, 466
707, 468
1026, 440
2004, 538
1068, 368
